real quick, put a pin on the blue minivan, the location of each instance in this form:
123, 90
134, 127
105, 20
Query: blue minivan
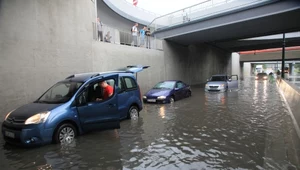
69, 108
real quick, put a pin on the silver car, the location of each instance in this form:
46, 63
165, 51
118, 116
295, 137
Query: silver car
221, 83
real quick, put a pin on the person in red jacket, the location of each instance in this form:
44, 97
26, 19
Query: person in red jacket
107, 90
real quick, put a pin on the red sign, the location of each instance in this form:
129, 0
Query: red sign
135, 2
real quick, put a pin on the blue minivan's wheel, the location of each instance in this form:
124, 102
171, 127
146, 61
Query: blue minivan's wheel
65, 134
133, 113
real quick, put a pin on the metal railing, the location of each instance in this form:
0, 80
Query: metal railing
126, 38
199, 11
295, 79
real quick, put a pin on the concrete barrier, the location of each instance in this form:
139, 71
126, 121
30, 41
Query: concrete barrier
291, 94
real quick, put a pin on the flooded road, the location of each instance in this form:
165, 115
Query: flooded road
246, 129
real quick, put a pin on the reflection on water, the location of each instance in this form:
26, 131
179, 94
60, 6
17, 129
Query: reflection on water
162, 111
245, 129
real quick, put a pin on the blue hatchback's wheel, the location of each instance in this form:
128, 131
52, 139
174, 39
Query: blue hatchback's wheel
172, 100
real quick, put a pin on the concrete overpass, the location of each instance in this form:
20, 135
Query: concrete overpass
225, 29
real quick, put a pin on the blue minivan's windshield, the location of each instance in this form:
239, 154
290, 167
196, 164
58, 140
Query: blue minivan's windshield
218, 78
165, 85
60, 92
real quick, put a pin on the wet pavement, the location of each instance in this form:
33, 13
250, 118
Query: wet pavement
246, 129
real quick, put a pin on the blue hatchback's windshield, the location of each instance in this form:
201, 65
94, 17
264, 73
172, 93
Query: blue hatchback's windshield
218, 78
165, 85
60, 92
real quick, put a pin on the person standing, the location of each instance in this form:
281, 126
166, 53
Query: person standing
134, 32
107, 37
147, 37
99, 28
142, 36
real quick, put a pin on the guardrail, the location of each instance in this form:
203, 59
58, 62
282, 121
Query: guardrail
201, 10
294, 79
126, 38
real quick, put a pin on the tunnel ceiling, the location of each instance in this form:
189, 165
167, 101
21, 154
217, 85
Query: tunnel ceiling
246, 45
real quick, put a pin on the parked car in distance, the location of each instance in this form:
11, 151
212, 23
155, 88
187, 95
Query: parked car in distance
221, 83
261, 76
167, 92
73, 106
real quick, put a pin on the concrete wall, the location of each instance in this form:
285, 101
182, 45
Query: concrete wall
292, 95
41, 42
44, 41
196, 63
203, 61
107, 57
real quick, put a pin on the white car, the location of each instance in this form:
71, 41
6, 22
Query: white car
221, 83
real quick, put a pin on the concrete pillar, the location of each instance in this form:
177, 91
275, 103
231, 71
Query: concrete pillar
291, 68
235, 64
241, 71
252, 69
247, 69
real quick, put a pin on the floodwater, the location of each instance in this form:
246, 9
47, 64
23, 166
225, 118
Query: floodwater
250, 128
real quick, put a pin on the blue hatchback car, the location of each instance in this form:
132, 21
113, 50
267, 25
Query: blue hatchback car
73, 106
167, 92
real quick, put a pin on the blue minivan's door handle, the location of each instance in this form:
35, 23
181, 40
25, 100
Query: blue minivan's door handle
112, 105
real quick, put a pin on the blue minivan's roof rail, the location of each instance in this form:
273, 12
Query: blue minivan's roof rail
129, 69
136, 68
80, 74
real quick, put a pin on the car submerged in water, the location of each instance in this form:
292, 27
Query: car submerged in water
221, 83
261, 76
167, 92
73, 106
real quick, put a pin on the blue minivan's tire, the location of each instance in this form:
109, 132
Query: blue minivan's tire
133, 113
65, 134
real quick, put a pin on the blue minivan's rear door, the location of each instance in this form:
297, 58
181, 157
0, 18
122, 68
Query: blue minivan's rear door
233, 82
98, 112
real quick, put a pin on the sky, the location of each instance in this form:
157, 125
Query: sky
164, 6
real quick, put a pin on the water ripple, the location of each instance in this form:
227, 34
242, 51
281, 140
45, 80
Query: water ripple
245, 129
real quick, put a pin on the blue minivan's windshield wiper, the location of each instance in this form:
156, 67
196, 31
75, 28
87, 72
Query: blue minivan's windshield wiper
49, 102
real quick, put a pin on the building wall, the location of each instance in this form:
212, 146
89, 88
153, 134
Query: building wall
44, 41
